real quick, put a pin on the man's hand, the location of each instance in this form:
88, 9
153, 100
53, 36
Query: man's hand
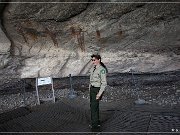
98, 96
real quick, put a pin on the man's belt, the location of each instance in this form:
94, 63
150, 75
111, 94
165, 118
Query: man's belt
94, 86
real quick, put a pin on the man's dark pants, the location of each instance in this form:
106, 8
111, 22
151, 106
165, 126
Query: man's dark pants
94, 105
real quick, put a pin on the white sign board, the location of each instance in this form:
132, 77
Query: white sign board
43, 81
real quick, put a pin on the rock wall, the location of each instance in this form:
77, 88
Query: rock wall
5, 44
4, 49
58, 38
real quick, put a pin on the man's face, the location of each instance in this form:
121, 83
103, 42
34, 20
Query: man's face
95, 61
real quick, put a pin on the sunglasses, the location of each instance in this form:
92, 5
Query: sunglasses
93, 59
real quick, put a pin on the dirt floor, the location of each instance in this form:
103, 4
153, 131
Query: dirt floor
73, 116
159, 113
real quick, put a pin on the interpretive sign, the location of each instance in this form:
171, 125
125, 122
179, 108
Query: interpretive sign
44, 81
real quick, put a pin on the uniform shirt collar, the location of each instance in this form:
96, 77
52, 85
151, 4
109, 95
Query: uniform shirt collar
97, 66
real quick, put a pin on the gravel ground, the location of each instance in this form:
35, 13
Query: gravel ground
154, 96
153, 89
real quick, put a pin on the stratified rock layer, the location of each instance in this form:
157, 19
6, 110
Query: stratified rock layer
5, 45
58, 38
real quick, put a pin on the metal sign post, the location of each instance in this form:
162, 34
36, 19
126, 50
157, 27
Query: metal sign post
24, 91
136, 89
72, 93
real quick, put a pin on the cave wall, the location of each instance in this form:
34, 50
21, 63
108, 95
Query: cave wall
58, 38
5, 44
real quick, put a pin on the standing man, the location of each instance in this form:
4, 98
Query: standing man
97, 86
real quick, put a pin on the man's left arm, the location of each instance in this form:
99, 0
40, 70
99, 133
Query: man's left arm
103, 82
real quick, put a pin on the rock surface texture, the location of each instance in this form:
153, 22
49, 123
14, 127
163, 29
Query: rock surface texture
5, 45
58, 38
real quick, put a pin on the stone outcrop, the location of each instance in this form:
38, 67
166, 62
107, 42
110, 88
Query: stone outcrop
58, 38
5, 45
